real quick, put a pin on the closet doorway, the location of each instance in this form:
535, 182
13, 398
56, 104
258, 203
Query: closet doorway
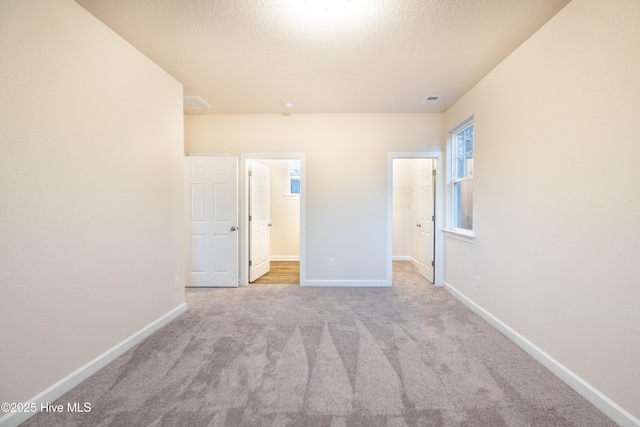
415, 214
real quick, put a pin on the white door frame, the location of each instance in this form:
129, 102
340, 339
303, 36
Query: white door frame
244, 210
439, 210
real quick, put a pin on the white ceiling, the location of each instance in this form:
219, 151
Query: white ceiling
375, 56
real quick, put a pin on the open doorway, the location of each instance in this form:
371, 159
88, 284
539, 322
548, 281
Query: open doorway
414, 213
272, 219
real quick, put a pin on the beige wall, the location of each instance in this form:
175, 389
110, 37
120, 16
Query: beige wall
91, 151
91, 184
346, 172
556, 202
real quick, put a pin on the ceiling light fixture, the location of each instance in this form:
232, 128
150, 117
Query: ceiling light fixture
326, 7
289, 105
315, 17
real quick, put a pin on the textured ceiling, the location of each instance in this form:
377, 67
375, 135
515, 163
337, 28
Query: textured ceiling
375, 56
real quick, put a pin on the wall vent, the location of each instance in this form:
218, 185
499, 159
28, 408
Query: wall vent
430, 100
194, 102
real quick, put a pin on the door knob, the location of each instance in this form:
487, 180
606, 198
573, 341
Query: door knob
418, 225
233, 228
270, 225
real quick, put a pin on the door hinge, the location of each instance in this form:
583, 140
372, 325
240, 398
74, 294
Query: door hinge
433, 217
433, 172
250, 173
249, 217
249, 263
433, 263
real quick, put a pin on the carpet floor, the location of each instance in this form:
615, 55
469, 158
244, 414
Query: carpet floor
275, 356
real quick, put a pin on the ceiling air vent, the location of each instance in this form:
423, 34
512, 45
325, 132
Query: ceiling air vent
430, 100
194, 102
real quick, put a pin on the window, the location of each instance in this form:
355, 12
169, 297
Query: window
294, 176
462, 155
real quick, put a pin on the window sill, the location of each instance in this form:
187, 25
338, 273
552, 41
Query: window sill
291, 196
461, 234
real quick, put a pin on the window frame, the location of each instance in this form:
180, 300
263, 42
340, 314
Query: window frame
293, 177
465, 234
454, 134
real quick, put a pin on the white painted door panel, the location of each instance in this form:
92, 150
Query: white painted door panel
211, 210
426, 210
259, 218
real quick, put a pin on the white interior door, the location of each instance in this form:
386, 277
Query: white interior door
259, 218
426, 220
211, 211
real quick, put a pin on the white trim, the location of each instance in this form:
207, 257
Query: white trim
459, 180
284, 258
402, 258
58, 389
208, 154
349, 283
439, 212
291, 196
462, 125
586, 390
460, 234
244, 210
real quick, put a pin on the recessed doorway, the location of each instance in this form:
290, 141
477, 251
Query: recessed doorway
414, 214
272, 221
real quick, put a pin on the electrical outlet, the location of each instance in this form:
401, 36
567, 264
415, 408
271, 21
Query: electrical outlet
176, 284
477, 281
332, 262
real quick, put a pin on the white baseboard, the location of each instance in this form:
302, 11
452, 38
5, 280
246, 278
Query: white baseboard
409, 258
58, 389
348, 283
284, 258
586, 390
